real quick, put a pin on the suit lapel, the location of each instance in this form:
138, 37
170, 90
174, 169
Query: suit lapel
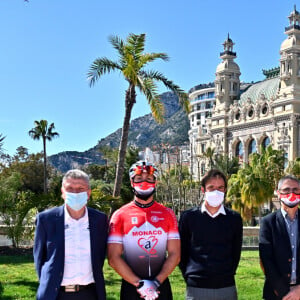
60, 227
282, 230
92, 227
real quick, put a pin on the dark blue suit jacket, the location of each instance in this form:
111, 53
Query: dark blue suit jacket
276, 255
49, 250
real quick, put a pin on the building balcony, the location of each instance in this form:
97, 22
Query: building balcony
293, 26
227, 52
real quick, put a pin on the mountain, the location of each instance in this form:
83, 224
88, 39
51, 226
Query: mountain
144, 132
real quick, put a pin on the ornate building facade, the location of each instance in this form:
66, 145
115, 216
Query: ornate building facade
247, 116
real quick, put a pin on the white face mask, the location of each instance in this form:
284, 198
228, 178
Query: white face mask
214, 198
76, 200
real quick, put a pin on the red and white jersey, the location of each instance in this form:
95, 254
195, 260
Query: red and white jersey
144, 233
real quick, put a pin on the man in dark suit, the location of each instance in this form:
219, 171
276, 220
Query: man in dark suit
70, 245
279, 246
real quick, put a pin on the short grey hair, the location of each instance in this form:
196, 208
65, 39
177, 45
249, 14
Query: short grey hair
287, 177
76, 174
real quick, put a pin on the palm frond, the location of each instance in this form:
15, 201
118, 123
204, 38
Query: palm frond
117, 43
136, 44
50, 133
42, 130
149, 57
182, 96
1, 143
99, 67
2, 138
149, 89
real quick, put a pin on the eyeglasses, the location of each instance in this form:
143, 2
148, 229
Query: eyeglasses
289, 190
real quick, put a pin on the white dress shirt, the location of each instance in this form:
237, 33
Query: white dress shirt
78, 264
221, 210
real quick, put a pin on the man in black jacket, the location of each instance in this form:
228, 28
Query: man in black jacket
211, 240
279, 244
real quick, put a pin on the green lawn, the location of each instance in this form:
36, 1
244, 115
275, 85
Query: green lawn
18, 279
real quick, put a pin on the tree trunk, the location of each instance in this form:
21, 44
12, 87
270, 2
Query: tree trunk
129, 102
45, 165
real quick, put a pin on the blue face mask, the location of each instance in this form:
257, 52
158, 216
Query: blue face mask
76, 200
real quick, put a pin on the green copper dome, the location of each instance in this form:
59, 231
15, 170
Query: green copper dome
267, 87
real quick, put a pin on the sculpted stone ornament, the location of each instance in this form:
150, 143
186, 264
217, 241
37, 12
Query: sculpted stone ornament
244, 113
293, 120
262, 97
257, 111
231, 115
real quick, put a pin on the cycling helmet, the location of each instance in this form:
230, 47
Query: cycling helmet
143, 166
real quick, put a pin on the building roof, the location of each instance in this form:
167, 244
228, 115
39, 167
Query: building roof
268, 88
201, 87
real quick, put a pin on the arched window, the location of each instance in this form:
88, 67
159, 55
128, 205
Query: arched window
250, 112
286, 159
252, 147
239, 150
266, 142
264, 110
202, 169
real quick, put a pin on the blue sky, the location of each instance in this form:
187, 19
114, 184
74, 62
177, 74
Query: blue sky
47, 47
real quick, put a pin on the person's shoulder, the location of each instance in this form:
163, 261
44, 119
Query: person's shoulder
271, 216
190, 212
232, 213
162, 207
123, 209
126, 206
53, 211
95, 212
50, 215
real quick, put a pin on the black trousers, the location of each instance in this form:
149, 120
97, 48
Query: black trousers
129, 292
86, 294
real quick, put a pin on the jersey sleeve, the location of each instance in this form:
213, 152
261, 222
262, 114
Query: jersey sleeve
116, 231
173, 233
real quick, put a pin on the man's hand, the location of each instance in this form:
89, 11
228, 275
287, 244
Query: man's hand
148, 289
294, 293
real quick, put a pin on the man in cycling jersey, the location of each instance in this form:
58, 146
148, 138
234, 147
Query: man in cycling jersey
141, 233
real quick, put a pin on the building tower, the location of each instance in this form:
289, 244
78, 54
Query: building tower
227, 77
287, 104
227, 90
290, 58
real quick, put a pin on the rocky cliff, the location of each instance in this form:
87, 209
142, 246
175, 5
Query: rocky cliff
144, 132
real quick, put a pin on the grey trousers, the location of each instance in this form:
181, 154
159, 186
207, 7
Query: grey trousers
228, 293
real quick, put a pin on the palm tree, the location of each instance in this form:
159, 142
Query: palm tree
247, 191
209, 154
131, 63
254, 184
42, 130
294, 167
226, 164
